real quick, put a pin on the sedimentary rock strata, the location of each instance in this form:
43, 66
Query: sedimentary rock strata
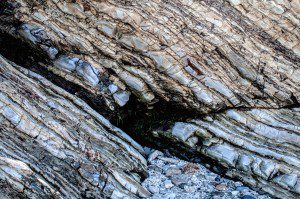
258, 146
209, 57
54, 145
204, 55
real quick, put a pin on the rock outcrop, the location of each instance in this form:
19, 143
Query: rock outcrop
211, 57
258, 146
54, 145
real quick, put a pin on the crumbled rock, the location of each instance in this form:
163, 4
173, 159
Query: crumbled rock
168, 184
186, 180
154, 155
180, 179
247, 197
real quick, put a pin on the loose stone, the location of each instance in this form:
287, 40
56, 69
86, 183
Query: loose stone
221, 187
190, 168
154, 155
168, 184
173, 171
247, 197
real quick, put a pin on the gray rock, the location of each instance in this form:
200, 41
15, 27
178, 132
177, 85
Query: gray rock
113, 88
244, 163
183, 130
169, 160
154, 155
223, 153
242, 188
168, 184
65, 62
88, 72
247, 197
180, 179
153, 189
52, 52
235, 193
173, 171
121, 97
286, 180
190, 189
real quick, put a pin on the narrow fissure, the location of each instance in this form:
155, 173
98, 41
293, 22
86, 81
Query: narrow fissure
135, 118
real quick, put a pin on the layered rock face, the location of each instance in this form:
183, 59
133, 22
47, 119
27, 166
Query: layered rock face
211, 57
204, 55
54, 145
258, 146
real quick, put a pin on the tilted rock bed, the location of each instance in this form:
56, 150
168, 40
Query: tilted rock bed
236, 139
54, 145
233, 64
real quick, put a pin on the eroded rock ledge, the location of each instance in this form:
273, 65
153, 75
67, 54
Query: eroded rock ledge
193, 53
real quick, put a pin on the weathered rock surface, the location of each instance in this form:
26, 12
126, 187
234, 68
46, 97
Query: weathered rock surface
201, 183
206, 56
258, 146
54, 145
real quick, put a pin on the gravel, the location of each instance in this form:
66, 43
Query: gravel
170, 177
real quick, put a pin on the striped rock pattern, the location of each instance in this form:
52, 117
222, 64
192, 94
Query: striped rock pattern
54, 145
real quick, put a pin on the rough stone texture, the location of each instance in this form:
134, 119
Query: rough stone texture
206, 56
54, 145
258, 146
201, 183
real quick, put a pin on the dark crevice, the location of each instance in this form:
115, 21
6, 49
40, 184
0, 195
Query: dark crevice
135, 118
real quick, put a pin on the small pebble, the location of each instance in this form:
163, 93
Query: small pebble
190, 189
238, 183
241, 188
168, 184
171, 196
210, 177
153, 189
173, 171
235, 193
170, 160
221, 187
181, 180
190, 168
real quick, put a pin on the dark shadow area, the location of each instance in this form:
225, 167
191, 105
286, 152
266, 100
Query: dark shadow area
135, 118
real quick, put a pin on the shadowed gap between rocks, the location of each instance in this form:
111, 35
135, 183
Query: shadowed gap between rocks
134, 118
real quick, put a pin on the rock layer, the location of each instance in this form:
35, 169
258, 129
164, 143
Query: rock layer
54, 145
205, 56
258, 146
